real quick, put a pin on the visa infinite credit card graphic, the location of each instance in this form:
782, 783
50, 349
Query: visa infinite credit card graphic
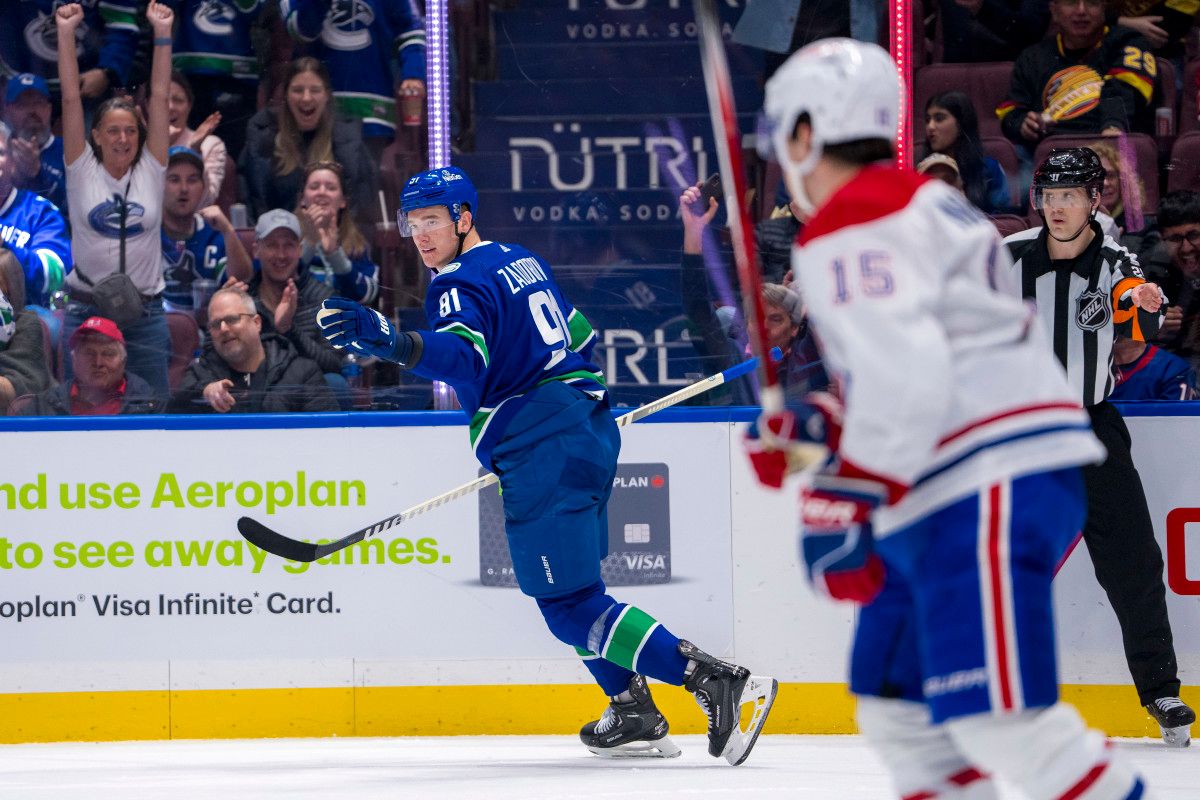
639, 530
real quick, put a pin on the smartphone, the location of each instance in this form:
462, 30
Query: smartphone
710, 188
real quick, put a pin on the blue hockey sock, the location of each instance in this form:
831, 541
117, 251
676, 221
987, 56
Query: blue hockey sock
621, 634
611, 678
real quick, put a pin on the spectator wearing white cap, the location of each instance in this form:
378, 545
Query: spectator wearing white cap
288, 297
101, 386
942, 167
35, 153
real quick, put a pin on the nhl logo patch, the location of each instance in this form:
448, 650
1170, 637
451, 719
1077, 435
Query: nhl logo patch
1092, 311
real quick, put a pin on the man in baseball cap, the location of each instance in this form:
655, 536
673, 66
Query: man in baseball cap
288, 298
100, 386
35, 154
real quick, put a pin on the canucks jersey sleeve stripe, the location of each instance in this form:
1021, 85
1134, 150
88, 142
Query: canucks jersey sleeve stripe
580, 329
53, 271
579, 376
1138, 81
410, 38
474, 337
118, 17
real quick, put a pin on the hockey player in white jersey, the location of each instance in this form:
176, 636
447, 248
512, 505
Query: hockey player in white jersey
952, 486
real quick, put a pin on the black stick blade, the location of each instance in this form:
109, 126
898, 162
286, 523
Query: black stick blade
276, 543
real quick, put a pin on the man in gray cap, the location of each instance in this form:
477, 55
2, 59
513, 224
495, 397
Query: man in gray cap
287, 298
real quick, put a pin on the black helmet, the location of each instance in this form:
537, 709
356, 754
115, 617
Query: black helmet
1064, 168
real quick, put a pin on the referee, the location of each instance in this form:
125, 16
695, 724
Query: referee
1088, 290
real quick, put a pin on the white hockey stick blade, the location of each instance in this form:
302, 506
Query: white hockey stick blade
760, 692
658, 748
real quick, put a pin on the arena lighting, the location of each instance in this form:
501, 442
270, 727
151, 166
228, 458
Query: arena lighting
437, 83
901, 48
437, 99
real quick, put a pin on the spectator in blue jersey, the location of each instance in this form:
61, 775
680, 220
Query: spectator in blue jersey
288, 297
246, 369
952, 129
373, 49
33, 229
215, 51
1145, 372
197, 243
106, 42
36, 154
305, 128
101, 385
335, 251
115, 180
22, 351
210, 146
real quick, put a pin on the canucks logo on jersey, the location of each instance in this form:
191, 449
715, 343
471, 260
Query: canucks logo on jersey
214, 17
105, 218
347, 25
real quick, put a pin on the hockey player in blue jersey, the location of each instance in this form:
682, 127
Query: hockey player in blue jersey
517, 354
33, 228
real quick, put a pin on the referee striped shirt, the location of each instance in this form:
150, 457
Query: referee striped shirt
1083, 303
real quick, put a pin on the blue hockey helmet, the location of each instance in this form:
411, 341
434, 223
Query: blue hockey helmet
444, 186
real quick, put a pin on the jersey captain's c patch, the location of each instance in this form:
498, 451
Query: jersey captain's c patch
1092, 310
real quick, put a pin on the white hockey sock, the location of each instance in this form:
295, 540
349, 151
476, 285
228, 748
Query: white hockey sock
1049, 753
921, 757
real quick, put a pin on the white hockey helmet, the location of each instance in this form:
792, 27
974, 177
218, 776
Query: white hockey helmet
850, 91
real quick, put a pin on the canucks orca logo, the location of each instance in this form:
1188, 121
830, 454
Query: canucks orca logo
41, 36
105, 218
214, 18
347, 25
179, 273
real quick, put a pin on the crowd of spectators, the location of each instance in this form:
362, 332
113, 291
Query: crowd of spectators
123, 150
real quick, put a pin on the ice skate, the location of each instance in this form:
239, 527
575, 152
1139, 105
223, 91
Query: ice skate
1175, 718
721, 690
633, 729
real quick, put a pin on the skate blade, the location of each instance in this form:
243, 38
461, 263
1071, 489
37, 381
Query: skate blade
658, 748
759, 691
1177, 737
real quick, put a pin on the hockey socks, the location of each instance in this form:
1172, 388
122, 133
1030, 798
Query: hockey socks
620, 634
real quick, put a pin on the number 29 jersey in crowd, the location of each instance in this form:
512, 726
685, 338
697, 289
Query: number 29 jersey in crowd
947, 381
501, 327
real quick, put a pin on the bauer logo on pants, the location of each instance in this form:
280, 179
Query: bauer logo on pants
639, 531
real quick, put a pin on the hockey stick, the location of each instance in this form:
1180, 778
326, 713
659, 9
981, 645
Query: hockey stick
276, 543
729, 155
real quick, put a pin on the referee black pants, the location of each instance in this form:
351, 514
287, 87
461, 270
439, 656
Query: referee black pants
1127, 560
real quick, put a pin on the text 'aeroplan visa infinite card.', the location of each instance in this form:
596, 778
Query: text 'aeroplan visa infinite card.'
639, 530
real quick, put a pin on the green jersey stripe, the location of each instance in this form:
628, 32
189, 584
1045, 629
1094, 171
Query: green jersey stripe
580, 329
474, 337
627, 637
586, 655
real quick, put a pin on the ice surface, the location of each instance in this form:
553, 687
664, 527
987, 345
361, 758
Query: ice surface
496, 768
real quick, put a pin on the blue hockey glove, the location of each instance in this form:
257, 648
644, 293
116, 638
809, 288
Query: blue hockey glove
836, 540
345, 323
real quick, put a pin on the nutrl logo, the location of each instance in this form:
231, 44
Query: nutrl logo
1177, 579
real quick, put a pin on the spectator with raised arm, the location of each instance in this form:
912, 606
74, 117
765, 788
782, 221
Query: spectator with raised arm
36, 154
198, 243
335, 251
1088, 78
305, 128
115, 183
210, 146
246, 370
33, 229
214, 50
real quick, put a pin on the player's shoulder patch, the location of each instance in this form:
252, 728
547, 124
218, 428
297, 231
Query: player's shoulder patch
451, 267
876, 192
